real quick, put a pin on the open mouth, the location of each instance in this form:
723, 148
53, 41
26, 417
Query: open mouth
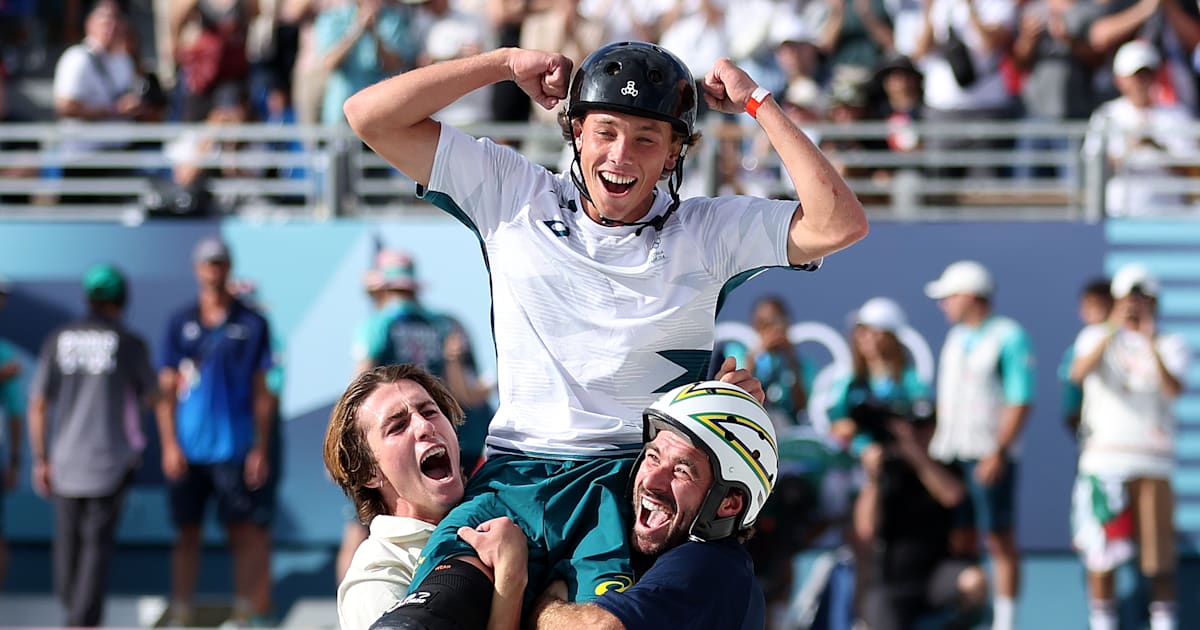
653, 515
617, 184
436, 465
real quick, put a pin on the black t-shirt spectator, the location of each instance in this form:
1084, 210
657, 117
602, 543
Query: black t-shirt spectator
914, 531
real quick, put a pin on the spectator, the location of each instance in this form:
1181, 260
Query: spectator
984, 391
9, 116
199, 158
897, 83
308, 73
1171, 26
882, 377
361, 42
94, 82
443, 33
1052, 49
906, 510
697, 31
1130, 375
786, 377
404, 331
900, 102
623, 20
849, 105
959, 49
12, 407
92, 381
1095, 305
19, 22
882, 374
857, 34
214, 421
1139, 134
391, 446
209, 43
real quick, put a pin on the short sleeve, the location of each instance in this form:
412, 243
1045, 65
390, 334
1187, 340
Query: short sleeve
1175, 354
1017, 368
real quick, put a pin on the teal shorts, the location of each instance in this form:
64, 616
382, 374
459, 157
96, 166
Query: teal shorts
575, 513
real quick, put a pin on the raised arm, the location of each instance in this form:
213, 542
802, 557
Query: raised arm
393, 116
829, 217
1112, 30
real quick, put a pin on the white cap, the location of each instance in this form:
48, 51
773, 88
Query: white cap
881, 313
1135, 55
1134, 275
790, 27
964, 276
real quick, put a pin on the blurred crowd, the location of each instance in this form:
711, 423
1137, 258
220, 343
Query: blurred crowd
1127, 65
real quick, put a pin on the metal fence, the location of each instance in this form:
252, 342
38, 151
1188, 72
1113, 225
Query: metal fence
984, 170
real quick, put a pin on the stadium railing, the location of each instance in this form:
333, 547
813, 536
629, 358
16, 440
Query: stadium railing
1025, 170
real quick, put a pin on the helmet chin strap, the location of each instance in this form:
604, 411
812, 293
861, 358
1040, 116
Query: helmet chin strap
673, 182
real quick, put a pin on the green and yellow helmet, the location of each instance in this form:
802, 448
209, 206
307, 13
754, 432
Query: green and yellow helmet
734, 430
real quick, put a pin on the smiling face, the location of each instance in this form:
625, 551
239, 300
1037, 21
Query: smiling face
622, 158
416, 451
669, 488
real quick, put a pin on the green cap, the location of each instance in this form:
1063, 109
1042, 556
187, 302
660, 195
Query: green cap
104, 282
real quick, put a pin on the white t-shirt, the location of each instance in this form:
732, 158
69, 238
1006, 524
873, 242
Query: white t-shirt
592, 323
381, 570
1139, 140
78, 77
942, 91
1128, 427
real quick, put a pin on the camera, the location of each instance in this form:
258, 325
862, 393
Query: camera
149, 90
873, 416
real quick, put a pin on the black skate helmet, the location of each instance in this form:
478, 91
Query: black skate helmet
635, 78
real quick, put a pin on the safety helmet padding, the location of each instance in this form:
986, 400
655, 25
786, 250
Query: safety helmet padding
734, 430
635, 78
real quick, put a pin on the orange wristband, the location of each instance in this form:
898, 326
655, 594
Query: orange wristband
757, 97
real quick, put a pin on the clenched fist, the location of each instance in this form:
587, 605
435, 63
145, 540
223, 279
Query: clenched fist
727, 87
543, 76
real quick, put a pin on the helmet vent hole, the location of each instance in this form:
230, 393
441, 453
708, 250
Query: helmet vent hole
729, 436
756, 455
613, 68
655, 75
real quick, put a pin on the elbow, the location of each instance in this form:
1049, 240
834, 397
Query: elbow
358, 114
952, 496
855, 229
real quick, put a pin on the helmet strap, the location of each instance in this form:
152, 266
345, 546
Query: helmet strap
577, 173
708, 526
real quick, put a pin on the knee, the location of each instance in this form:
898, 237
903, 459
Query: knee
189, 536
457, 594
1002, 544
973, 587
